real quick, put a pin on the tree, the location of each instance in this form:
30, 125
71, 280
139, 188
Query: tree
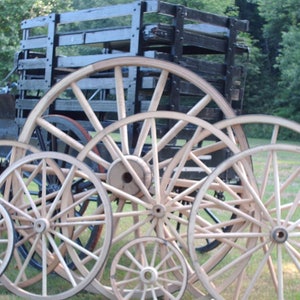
281, 31
12, 12
288, 100
213, 6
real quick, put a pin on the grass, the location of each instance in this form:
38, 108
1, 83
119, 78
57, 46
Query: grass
262, 291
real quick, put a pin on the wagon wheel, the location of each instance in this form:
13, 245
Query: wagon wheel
273, 128
7, 239
155, 78
146, 265
144, 203
49, 227
264, 256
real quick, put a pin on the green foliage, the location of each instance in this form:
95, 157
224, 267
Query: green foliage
12, 12
214, 6
288, 100
273, 85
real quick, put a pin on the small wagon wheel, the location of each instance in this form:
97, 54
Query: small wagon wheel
7, 238
265, 250
145, 267
49, 226
144, 203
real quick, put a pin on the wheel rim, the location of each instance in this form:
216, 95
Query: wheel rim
271, 127
7, 238
271, 226
49, 226
149, 267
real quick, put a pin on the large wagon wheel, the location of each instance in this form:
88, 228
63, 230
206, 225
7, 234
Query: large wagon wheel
264, 256
49, 226
144, 203
145, 264
161, 73
193, 92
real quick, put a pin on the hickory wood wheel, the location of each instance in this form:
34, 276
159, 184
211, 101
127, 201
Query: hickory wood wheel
264, 256
49, 227
145, 267
142, 195
7, 239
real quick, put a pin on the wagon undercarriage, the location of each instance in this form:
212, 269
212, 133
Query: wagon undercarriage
132, 177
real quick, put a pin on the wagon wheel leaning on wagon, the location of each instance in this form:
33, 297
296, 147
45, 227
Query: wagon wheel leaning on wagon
199, 94
266, 251
161, 74
49, 227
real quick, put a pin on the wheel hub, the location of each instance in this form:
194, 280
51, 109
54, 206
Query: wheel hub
120, 176
158, 211
279, 235
41, 225
149, 275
